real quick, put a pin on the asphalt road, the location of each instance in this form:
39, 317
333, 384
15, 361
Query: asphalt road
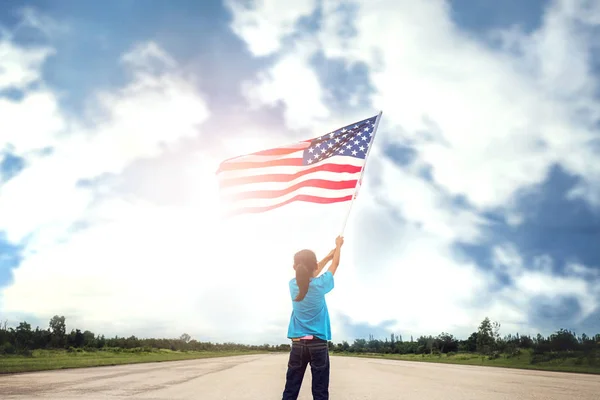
262, 377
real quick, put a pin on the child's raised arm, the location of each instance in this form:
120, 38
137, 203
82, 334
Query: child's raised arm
339, 241
324, 262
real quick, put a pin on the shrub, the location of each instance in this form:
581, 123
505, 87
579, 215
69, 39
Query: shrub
7, 348
514, 352
25, 352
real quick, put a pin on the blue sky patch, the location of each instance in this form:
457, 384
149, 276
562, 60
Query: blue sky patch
13, 94
565, 229
10, 258
550, 313
10, 165
401, 155
480, 16
362, 330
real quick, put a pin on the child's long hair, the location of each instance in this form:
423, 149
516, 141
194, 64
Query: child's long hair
305, 264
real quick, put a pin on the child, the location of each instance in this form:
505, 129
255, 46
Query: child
309, 326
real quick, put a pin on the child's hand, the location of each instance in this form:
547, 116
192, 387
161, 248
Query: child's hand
339, 241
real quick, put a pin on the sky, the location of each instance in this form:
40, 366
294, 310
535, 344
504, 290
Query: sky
481, 196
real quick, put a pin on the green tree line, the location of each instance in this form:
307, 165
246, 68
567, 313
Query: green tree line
485, 341
22, 339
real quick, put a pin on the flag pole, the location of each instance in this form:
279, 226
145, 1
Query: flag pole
359, 181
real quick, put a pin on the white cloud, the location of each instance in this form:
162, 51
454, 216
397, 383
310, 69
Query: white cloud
420, 202
153, 111
265, 24
538, 281
148, 57
291, 81
507, 259
39, 22
24, 135
18, 66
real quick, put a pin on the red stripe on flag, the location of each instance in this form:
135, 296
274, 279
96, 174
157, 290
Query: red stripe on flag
273, 194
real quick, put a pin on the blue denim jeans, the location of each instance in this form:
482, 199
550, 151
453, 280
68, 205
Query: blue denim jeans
303, 352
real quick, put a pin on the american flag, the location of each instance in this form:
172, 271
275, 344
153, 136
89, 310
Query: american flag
322, 170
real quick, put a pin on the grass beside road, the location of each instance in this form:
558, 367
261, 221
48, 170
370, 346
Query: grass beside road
43, 360
522, 361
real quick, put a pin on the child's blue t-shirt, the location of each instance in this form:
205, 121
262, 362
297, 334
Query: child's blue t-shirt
310, 316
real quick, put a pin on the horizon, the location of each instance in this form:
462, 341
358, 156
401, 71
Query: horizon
481, 196
397, 337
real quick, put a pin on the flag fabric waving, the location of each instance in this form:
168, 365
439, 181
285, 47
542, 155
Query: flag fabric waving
321, 170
